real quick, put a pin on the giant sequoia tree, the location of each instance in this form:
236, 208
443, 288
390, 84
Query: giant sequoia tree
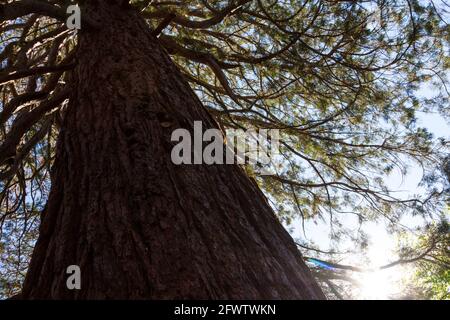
86, 119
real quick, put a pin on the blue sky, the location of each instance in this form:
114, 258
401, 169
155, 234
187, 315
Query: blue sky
404, 185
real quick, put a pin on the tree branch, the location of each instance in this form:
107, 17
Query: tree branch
17, 9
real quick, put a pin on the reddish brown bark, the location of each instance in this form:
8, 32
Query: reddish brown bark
136, 224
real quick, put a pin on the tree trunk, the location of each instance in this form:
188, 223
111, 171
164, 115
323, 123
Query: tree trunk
138, 226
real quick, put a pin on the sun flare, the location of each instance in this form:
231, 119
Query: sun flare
377, 285
381, 284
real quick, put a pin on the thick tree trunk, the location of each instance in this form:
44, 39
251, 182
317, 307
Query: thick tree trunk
136, 224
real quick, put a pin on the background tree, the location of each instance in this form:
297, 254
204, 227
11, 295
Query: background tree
432, 277
424, 255
338, 78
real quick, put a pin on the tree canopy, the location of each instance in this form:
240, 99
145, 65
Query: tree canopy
340, 79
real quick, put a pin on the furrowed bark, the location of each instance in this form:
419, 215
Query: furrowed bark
139, 226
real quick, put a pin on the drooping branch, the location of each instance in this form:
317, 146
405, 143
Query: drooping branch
10, 143
216, 19
34, 71
333, 265
17, 9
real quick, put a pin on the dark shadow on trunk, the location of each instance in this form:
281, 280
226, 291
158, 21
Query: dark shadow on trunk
139, 226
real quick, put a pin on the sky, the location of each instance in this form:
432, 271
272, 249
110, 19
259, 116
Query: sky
380, 251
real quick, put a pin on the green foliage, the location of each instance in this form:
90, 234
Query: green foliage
432, 276
340, 79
